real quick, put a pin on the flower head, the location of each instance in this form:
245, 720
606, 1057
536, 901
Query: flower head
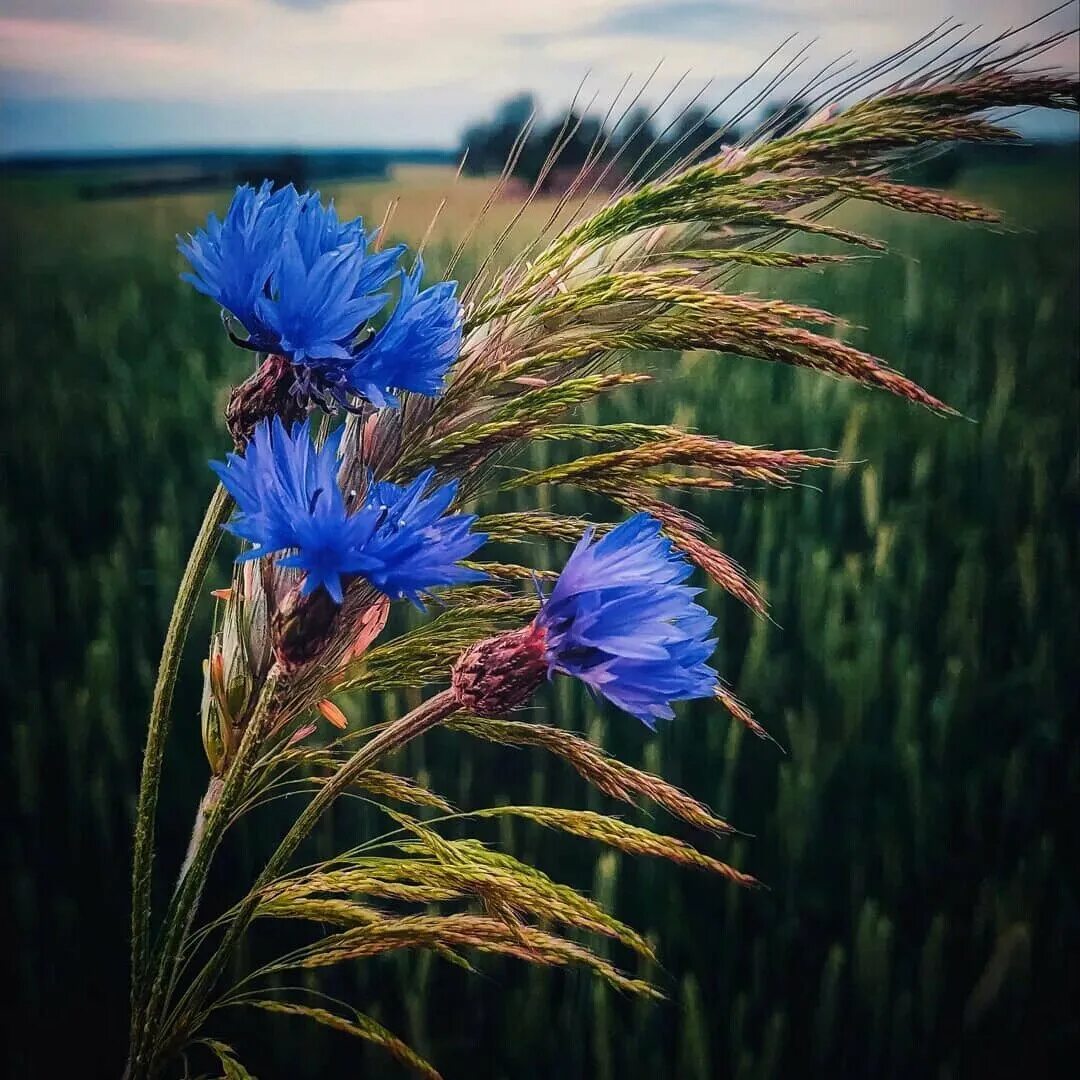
289, 500
303, 285
232, 260
416, 545
621, 620
324, 286
415, 348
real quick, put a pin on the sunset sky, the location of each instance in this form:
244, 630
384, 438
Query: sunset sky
94, 74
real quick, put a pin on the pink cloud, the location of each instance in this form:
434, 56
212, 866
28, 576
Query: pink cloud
51, 45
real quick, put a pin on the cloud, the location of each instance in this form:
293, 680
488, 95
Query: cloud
58, 47
380, 71
712, 19
307, 3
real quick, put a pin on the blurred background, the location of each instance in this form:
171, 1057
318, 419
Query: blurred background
920, 663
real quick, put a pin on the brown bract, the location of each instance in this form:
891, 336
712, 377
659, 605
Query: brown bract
265, 394
500, 673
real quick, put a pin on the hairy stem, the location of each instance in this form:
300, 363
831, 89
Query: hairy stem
202, 553
189, 888
198, 832
421, 719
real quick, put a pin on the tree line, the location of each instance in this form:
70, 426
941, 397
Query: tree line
636, 148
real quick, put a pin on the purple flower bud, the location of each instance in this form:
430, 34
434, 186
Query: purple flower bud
500, 673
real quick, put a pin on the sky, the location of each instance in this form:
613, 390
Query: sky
85, 75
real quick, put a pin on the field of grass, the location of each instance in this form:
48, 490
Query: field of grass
918, 666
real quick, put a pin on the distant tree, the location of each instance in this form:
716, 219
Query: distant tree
636, 145
514, 112
693, 135
575, 137
578, 140
489, 144
784, 116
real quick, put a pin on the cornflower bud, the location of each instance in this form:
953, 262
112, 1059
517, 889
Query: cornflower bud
240, 657
301, 626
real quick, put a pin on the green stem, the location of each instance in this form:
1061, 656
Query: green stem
202, 552
424, 717
211, 821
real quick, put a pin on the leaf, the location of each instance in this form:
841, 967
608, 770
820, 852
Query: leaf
358, 1025
226, 1055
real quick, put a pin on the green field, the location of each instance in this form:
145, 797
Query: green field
918, 667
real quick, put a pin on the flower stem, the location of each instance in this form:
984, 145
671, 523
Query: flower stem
421, 719
198, 564
211, 821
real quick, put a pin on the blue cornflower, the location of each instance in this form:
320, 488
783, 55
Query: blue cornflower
304, 284
415, 348
288, 499
416, 546
314, 310
233, 259
620, 619
324, 287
